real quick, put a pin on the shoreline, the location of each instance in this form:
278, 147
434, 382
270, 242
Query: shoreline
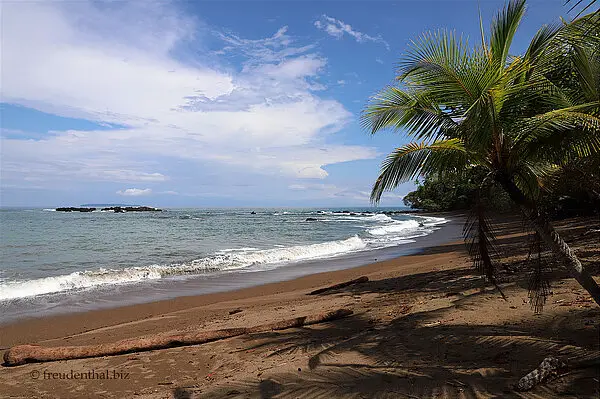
115, 296
35, 329
96, 317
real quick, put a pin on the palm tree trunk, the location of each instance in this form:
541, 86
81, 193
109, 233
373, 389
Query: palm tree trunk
551, 237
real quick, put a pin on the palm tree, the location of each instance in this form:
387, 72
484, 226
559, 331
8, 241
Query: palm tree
509, 114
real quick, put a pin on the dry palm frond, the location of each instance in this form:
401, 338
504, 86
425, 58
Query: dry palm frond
539, 285
480, 240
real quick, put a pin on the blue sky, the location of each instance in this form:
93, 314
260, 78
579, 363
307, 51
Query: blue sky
216, 103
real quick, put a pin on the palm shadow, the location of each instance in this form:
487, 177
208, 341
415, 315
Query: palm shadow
416, 356
410, 357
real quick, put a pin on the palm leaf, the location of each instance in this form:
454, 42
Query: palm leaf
562, 135
587, 66
410, 160
480, 240
538, 284
395, 108
441, 64
503, 31
578, 2
542, 40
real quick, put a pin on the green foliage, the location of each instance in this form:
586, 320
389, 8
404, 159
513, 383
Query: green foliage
452, 192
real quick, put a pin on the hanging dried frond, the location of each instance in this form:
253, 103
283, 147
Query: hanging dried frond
480, 240
539, 284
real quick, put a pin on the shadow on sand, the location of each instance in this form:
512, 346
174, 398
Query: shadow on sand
413, 356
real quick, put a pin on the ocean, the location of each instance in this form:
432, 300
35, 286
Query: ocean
56, 261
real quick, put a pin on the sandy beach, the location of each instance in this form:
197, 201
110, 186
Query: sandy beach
424, 325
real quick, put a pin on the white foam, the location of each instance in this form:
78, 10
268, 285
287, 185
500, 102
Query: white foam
77, 280
396, 227
237, 250
432, 220
219, 262
380, 217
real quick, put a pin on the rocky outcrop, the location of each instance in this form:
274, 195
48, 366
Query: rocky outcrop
122, 209
73, 209
115, 209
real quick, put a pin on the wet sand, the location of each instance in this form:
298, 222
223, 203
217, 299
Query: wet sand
424, 325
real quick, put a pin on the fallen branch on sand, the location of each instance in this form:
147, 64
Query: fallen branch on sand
22, 354
550, 368
359, 280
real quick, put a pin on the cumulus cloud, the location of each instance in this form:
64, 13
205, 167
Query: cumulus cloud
114, 63
135, 192
337, 28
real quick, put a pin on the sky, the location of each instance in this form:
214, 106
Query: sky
209, 104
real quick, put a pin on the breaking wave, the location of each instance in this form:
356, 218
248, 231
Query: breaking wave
224, 260
378, 231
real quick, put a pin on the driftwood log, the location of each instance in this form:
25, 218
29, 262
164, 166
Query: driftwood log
22, 354
359, 280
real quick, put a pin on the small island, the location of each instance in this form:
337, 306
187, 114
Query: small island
115, 209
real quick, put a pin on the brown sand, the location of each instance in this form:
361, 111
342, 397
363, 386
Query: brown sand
424, 326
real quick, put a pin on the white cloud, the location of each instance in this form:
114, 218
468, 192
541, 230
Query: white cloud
312, 186
114, 63
271, 49
135, 192
379, 60
358, 195
337, 28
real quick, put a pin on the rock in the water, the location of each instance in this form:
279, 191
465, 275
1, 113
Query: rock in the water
73, 209
311, 219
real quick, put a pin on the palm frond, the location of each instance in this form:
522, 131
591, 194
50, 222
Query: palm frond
480, 240
532, 177
395, 108
561, 135
587, 66
542, 39
442, 64
413, 159
577, 3
503, 30
538, 284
